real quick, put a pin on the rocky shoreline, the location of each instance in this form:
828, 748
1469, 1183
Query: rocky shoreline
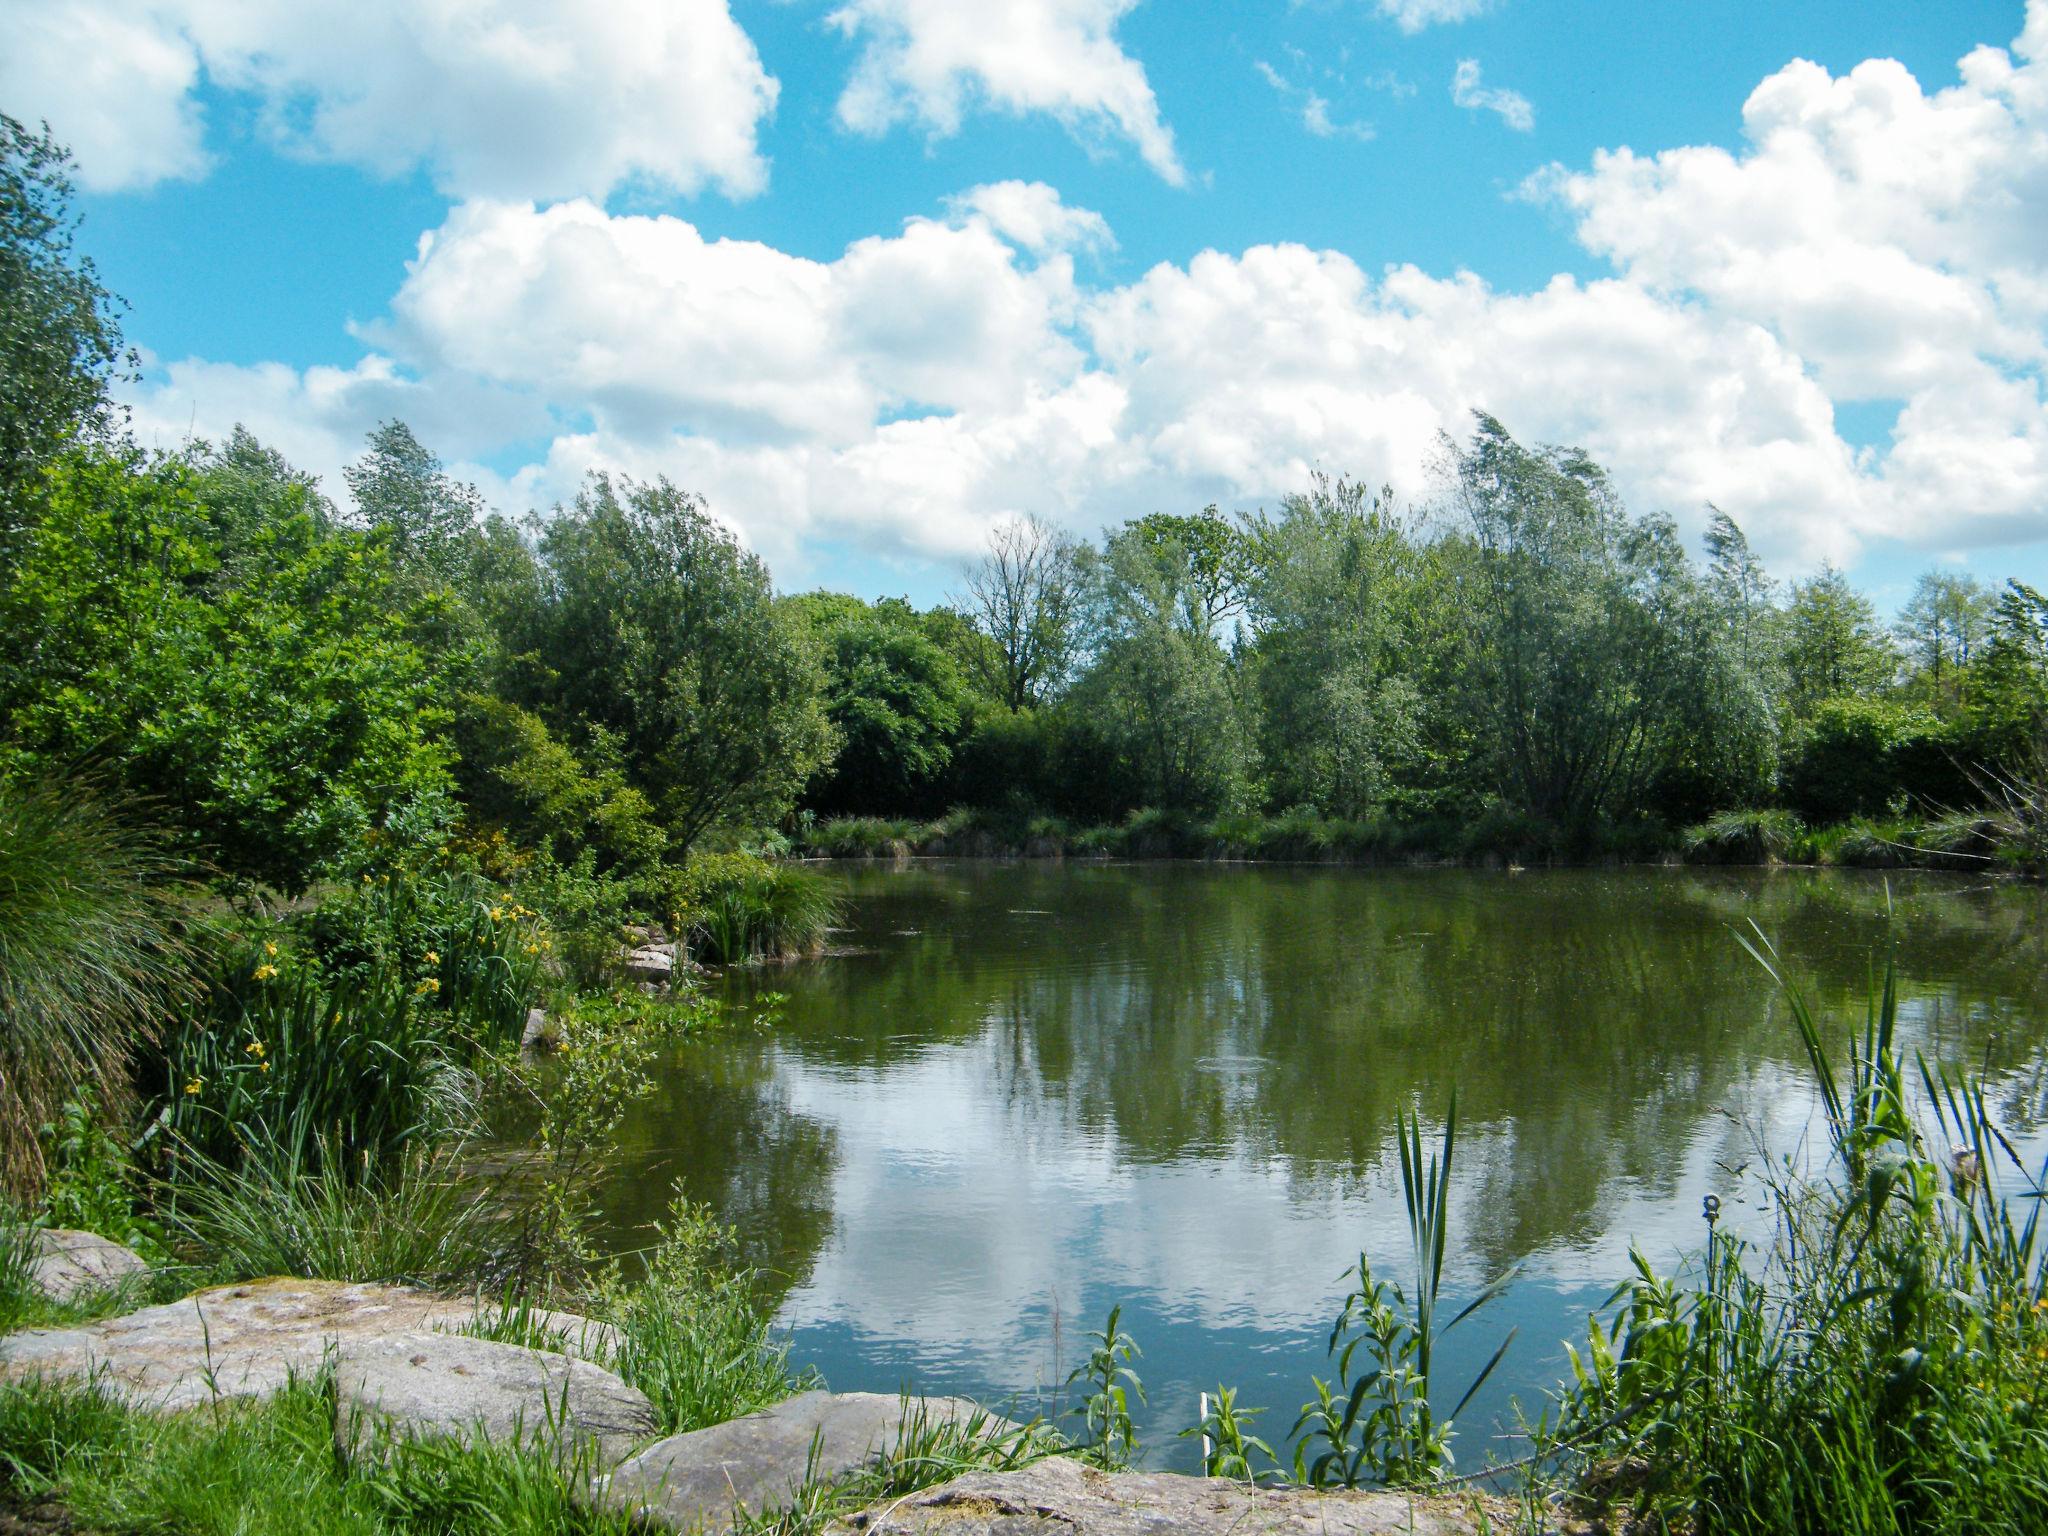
408, 1363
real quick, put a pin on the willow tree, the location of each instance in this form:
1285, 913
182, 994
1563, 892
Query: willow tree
1593, 661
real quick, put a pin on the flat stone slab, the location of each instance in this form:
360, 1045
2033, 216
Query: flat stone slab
419, 1384
699, 1480
247, 1340
1062, 1497
69, 1263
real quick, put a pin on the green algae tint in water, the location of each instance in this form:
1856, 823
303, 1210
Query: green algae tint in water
1030, 1092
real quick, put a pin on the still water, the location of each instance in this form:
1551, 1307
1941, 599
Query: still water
1028, 1092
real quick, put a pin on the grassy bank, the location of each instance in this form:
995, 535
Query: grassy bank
1989, 841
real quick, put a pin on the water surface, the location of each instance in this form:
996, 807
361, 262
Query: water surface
1033, 1091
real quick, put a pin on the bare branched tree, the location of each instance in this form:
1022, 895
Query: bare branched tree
1025, 596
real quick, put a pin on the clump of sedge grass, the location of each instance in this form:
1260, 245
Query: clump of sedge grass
94, 951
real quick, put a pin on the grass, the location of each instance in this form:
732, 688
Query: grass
737, 907
93, 953
694, 1336
269, 1470
425, 1224
1876, 1368
1743, 837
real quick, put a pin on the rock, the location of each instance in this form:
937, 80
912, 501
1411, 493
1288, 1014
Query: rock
699, 1479
443, 1384
68, 1263
1061, 1497
649, 963
246, 1340
536, 1037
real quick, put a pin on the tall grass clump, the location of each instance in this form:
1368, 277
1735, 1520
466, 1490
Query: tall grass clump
93, 955
1743, 837
425, 1223
1877, 1365
738, 907
694, 1336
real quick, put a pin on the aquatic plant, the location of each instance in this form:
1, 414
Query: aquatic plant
1876, 1366
737, 907
1379, 1424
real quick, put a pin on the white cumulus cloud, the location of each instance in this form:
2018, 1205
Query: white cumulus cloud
932, 61
495, 98
1870, 241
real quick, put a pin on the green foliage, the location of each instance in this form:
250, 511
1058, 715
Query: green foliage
60, 342
1854, 756
273, 719
424, 1221
1834, 648
94, 1183
1108, 1439
1379, 1424
738, 907
269, 1469
1227, 1445
94, 954
652, 623
1743, 837
693, 1333
1876, 1368
291, 1068
895, 698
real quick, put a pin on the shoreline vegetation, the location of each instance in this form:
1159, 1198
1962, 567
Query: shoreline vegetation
1978, 842
321, 807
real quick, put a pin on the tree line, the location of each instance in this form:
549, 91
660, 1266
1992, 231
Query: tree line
289, 680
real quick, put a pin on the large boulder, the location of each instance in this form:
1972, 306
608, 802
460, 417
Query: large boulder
704, 1478
69, 1263
651, 963
415, 1384
249, 1340
1061, 1497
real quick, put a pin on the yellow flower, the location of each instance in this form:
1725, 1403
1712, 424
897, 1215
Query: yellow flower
429, 985
265, 972
497, 914
192, 1086
254, 1048
270, 950
533, 949
263, 1066
433, 957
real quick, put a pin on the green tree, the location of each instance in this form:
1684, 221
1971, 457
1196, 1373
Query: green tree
1943, 627
654, 624
401, 487
1586, 649
896, 699
1160, 692
60, 342
1834, 646
1330, 598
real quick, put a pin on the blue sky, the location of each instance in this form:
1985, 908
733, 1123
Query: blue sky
1813, 294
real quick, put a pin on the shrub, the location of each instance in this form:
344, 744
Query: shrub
94, 950
1874, 1368
352, 1072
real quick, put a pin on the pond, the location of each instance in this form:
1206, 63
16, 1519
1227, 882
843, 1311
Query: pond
1028, 1092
